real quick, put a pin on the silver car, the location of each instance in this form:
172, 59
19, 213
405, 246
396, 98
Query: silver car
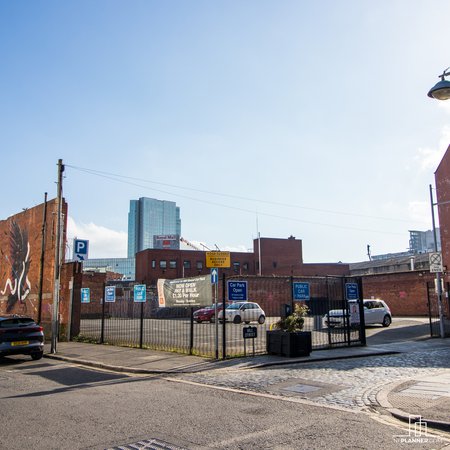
243, 312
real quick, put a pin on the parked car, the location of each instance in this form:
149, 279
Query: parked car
243, 312
207, 314
20, 335
375, 312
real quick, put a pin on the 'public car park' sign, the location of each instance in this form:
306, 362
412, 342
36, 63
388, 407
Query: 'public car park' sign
301, 291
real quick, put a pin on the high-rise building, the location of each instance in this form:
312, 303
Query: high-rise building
423, 241
149, 217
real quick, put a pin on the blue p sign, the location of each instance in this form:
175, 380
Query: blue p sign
80, 249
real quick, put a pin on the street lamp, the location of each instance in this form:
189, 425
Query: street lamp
441, 90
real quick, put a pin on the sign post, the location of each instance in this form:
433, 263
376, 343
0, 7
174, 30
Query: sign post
216, 260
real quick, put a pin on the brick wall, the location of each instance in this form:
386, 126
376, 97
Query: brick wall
442, 219
405, 293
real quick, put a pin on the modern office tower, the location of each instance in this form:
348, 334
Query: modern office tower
149, 217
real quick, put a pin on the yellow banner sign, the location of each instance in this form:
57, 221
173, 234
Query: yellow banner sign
218, 260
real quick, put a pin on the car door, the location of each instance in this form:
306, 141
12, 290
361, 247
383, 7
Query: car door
369, 313
378, 312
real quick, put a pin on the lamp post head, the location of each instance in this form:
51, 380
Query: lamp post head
441, 90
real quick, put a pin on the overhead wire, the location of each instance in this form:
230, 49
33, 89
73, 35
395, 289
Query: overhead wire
123, 179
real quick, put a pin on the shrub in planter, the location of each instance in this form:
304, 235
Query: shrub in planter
287, 338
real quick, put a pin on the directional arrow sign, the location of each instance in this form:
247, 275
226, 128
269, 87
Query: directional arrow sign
214, 276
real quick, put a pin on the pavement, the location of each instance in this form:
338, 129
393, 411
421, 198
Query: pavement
408, 379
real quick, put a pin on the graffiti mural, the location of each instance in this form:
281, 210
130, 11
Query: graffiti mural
18, 285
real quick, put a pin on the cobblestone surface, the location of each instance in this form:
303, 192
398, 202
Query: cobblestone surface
349, 383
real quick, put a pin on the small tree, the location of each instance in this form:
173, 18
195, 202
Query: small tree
295, 321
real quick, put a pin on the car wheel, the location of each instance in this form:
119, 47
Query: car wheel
261, 319
37, 355
387, 321
237, 319
212, 319
199, 321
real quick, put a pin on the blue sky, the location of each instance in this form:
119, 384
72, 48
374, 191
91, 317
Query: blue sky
284, 117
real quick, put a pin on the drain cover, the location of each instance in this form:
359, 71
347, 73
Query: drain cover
148, 444
302, 388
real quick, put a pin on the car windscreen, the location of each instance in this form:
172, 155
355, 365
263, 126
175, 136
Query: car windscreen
20, 322
234, 306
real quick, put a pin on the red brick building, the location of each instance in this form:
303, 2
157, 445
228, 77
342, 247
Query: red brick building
27, 264
442, 178
278, 257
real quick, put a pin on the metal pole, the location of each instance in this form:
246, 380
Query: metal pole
438, 274
57, 260
216, 318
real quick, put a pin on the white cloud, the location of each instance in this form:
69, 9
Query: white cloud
420, 212
103, 242
429, 158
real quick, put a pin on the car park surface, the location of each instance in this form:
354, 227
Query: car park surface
20, 335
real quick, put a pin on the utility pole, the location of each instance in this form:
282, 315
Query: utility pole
55, 318
438, 274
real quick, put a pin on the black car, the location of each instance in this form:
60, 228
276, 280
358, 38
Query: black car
20, 335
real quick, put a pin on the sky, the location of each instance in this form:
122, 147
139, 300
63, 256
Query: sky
257, 117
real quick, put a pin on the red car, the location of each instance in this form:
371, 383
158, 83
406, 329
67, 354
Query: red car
207, 314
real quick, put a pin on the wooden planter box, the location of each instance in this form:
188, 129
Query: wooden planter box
283, 343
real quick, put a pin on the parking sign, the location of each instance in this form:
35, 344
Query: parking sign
110, 294
80, 249
140, 291
85, 295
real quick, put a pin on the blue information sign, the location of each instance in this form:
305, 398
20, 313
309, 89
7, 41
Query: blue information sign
351, 291
85, 295
237, 291
80, 249
140, 291
214, 276
110, 294
301, 291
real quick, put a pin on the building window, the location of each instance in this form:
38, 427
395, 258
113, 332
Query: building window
199, 265
236, 267
163, 264
245, 266
173, 264
153, 264
187, 264
274, 264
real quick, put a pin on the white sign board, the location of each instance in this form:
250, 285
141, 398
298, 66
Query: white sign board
436, 262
